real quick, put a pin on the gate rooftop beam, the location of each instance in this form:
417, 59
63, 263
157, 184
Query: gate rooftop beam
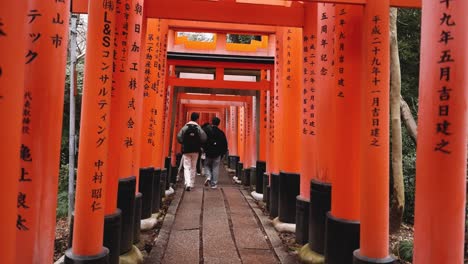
212, 97
177, 82
213, 27
207, 102
393, 3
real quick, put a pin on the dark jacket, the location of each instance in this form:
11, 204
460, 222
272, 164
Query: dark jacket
216, 144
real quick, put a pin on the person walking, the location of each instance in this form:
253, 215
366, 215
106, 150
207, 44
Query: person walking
192, 137
215, 148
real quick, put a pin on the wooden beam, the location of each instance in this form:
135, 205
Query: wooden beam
215, 64
205, 102
393, 3
212, 27
225, 12
178, 82
212, 97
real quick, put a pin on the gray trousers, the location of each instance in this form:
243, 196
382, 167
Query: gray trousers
212, 169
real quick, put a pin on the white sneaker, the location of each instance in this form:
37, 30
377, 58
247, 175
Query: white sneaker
214, 186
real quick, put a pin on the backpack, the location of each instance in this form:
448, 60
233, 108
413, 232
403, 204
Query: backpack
215, 145
191, 140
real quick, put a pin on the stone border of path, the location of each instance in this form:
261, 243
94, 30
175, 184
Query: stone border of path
271, 232
160, 245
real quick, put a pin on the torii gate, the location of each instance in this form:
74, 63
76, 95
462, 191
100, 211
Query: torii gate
442, 126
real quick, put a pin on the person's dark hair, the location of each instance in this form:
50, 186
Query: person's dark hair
215, 121
194, 116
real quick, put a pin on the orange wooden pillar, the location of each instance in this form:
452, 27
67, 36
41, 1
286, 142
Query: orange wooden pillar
241, 134
322, 120
263, 133
309, 147
248, 154
342, 232
41, 131
13, 32
292, 88
94, 137
233, 149
442, 134
375, 137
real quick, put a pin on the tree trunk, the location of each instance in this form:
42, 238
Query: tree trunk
398, 198
408, 120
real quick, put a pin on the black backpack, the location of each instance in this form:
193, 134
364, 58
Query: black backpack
191, 140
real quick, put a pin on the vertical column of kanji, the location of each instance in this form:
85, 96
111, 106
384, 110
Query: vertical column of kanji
375, 136
168, 91
342, 236
263, 137
308, 157
13, 25
233, 150
44, 78
159, 69
442, 141
241, 133
94, 134
247, 138
271, 119
289, 179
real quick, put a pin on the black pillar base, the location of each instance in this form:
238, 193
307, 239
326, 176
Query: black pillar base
261, 168
320, 205
162, 186
239, 168
302, 220
267, 201
342, 239
145, 186
156, 199
246, 178
358, 259
265, 182
136, 222
112, 235
274, 195
178, 159
102, 258
233, 161
173, 175
253, 178
126, 203
168, 166
289, 184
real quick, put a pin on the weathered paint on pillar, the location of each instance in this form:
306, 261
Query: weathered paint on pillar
442, 134
375, 133
41, 130
309, 100
291, 109
94, 132
347, 97
13, 25
263, 137
325, 92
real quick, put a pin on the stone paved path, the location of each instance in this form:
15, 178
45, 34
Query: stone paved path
216, 226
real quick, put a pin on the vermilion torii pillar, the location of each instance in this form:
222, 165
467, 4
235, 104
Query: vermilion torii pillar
442, 134
13, 22
94, 138
374, 234
233, 147
289, 163
342, 228
41, 130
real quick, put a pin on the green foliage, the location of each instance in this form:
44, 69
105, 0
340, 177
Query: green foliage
405, 250
243, 39
62, 198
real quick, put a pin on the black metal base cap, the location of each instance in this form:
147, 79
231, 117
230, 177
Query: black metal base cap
174, 175
274, 195
289, 184
239, 168
145, 186
156, 200
163, 183
342, 239
253, 178
246, 178
168, 166
136, 222
102, 258
126, 203
320, 205
112, 233
261, 168
302, 220
358, 259
267, 201
265, 182
232, 161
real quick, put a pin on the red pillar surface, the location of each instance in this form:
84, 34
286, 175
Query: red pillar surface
241, 133
309, 100
375, 133
347, 97
42, 130
277, 114
263, 137
13, 39
290, 108
94, 132
233, 149
442, 134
